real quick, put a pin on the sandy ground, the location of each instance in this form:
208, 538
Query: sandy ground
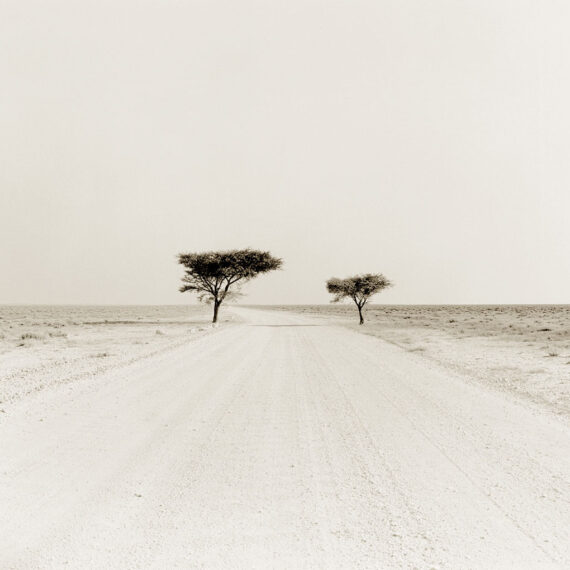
45, 345
523, 350
282, 442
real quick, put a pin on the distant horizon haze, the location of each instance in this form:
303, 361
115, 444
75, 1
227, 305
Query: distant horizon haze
253, 305
425, 141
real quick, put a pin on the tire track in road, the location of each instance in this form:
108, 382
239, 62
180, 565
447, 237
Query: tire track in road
274, 444
523, 466
151, 407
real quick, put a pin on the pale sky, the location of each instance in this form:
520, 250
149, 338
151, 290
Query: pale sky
426, 140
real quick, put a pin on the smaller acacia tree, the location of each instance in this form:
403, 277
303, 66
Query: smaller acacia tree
213, 273
359, 288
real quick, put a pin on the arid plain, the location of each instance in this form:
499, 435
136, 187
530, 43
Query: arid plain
44, 345
142, 437
520, 349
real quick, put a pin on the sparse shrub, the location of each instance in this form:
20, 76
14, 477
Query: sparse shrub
31, 336
101, 355
553, 353
158, 331
58, 334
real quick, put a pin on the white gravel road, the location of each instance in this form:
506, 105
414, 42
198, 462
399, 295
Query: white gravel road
281, 442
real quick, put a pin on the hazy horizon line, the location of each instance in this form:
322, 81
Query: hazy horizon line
284, 304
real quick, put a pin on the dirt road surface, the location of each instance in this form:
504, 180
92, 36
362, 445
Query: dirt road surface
281, 442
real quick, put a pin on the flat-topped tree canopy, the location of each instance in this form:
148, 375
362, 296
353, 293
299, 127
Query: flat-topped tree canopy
211, 274
359, 288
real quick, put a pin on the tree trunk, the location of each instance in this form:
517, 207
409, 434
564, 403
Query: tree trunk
216, 308
360, 313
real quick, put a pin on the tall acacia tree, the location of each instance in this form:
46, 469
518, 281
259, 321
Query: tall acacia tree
358, 288
212, 274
